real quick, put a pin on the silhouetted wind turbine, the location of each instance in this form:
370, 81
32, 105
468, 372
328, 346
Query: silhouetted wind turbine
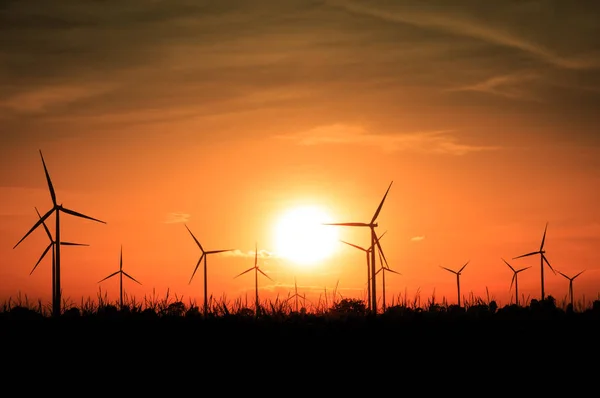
571, 284
120, 272
383, 269
256, 271
204, 256
51, 246
514, 280
368, 255
543, 259
296, 295
57, 209
372, 225
457, 278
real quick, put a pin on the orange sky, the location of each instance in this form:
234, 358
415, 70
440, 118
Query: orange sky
152, 114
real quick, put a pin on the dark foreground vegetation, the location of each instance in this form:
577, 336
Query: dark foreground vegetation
345, 320
168, 338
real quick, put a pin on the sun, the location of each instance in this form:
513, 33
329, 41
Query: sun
301, 238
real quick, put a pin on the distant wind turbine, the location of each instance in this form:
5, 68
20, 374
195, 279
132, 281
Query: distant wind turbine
457, 278
51, 246
57, 209
383, 269
204, 256
543, 259
571, 279
256, 270
120, 272
514, 280
297, 295
371, 225
368, 255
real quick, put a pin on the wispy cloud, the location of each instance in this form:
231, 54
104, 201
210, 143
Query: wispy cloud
107, 69
41, 99
174, 218
264, 254
440, 142
513, 86
470, 27
417, 238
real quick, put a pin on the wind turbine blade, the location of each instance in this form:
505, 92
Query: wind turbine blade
544, 237
391, 270
526, 255
110, 276
255, 254
196, 268
77, 214
564, 275
381, 204
41, 257
578, 274
248, 270
463, 267
510, 266
37, 224
547, 263
260, 270
382, 254
353, 245
379, 270
121, 259
522, 269
45, 226
382, 235
381, 262
512, 281
73, 244
448, 269
50, 186
219, 251
196, 240
349, 224
131, 277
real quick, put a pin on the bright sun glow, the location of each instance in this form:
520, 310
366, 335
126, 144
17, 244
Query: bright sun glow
301, 238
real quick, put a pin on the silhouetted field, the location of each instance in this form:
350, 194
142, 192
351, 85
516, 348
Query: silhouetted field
346, 320
340, 348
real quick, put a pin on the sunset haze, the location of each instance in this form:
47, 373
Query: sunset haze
225, 116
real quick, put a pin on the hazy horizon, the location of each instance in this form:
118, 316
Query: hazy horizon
225, 116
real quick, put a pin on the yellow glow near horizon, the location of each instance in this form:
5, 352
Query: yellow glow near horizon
301, 238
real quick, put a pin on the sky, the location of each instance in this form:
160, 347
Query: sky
225, 115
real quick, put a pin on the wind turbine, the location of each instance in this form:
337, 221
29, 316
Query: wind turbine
204, 256
543, 259
256, 271
457, 278
571, 284
56, 209
514, 280
372, 225
383, 269
368, 255
120, 272
51, 246
296, 295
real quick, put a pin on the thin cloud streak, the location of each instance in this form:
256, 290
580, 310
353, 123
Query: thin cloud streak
41, 99
417, 238
438, 142
174, 218
264, 254
512, 86
462, 26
